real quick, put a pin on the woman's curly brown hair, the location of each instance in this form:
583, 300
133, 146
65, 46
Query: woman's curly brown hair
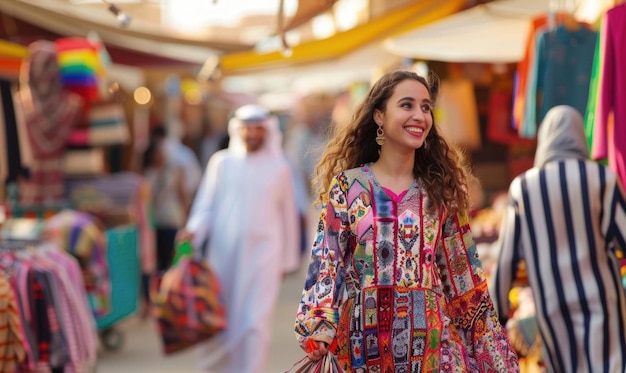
440, 167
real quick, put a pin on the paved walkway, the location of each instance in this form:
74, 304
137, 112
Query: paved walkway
141, 351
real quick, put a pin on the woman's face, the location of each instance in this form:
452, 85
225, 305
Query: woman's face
407, 118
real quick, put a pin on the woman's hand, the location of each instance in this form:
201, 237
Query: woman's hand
316, 352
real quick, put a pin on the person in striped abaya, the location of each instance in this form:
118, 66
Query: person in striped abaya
566, 219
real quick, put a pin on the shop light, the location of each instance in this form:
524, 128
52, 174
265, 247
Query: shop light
122, 18
142, 95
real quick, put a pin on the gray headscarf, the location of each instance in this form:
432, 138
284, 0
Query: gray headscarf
561, 136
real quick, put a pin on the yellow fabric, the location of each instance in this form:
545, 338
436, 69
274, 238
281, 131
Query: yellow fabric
78, 58
9, 49
401, 20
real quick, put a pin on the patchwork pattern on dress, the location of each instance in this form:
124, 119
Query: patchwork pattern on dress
422, 302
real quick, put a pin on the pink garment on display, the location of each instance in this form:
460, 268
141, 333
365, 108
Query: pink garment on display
609, 138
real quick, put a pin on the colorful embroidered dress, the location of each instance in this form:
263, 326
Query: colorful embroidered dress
400, 288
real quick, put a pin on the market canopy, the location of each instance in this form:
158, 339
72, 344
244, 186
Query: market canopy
495, 32
63, 18
406, 18
334, 74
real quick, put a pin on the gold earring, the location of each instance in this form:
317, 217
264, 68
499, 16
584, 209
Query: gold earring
380, 136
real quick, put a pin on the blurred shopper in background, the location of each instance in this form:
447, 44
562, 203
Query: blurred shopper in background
305, 140
563, 220
394, 282
170, 198
246, 211
184, 157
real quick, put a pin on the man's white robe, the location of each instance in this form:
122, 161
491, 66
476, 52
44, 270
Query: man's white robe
245, 208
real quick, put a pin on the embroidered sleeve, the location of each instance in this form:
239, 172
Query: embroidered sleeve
469, 305
317, 315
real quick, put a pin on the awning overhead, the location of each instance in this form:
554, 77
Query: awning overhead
491, 33
308, 9
57, 16
334, 74
406, 18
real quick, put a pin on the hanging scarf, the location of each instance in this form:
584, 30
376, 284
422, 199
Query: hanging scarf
48, 110
48, 113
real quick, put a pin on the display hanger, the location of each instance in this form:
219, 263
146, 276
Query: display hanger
570, 22
562, 12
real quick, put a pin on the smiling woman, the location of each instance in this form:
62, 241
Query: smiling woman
394, 281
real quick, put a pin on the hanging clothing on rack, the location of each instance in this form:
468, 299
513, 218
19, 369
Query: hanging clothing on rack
12, 349
538, 25
82, 235
559, 74
49, 113
58, 330
590, 114
606, 117
119, 199
16, 153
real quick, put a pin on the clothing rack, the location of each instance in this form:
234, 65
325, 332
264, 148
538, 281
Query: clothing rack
53, 327
18, 245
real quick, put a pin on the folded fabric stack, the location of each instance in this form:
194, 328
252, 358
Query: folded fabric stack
11, 56
106, 126
81, 68
84, 162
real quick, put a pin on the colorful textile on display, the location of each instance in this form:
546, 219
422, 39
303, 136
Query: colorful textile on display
606, 115
106, 125
559, 74
48, 112
399, 286
57, 328
80, 64
539, 24
81, 235
118, 199
12, 351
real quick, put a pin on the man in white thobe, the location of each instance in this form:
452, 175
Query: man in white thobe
246, 210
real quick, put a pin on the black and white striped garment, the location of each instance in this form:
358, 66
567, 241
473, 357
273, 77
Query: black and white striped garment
562, 220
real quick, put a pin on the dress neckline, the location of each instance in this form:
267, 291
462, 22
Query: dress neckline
390, 193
